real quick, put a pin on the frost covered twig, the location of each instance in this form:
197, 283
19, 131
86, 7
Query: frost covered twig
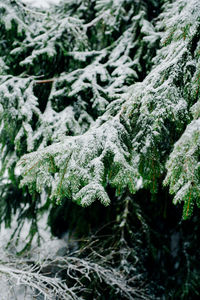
27, 276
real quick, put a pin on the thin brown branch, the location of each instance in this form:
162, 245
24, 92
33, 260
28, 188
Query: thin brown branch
45, 81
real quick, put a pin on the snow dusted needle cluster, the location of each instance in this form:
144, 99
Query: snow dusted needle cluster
89, 125
85, 76
133, 144
81, 166
99, 104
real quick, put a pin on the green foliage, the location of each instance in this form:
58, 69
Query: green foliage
128, 146
99, 100
184, 168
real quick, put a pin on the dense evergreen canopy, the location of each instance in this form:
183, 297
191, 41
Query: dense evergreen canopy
99, 100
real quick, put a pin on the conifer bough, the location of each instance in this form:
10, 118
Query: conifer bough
114, 114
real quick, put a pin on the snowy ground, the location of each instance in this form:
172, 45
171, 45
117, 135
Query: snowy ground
41, 3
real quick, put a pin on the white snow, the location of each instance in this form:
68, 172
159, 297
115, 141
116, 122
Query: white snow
41, 3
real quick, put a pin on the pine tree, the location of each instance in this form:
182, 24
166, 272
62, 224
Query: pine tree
92, 74
129, 144
99, 100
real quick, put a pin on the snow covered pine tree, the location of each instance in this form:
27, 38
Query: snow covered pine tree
99, 100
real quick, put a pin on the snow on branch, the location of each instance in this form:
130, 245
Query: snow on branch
133, 143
